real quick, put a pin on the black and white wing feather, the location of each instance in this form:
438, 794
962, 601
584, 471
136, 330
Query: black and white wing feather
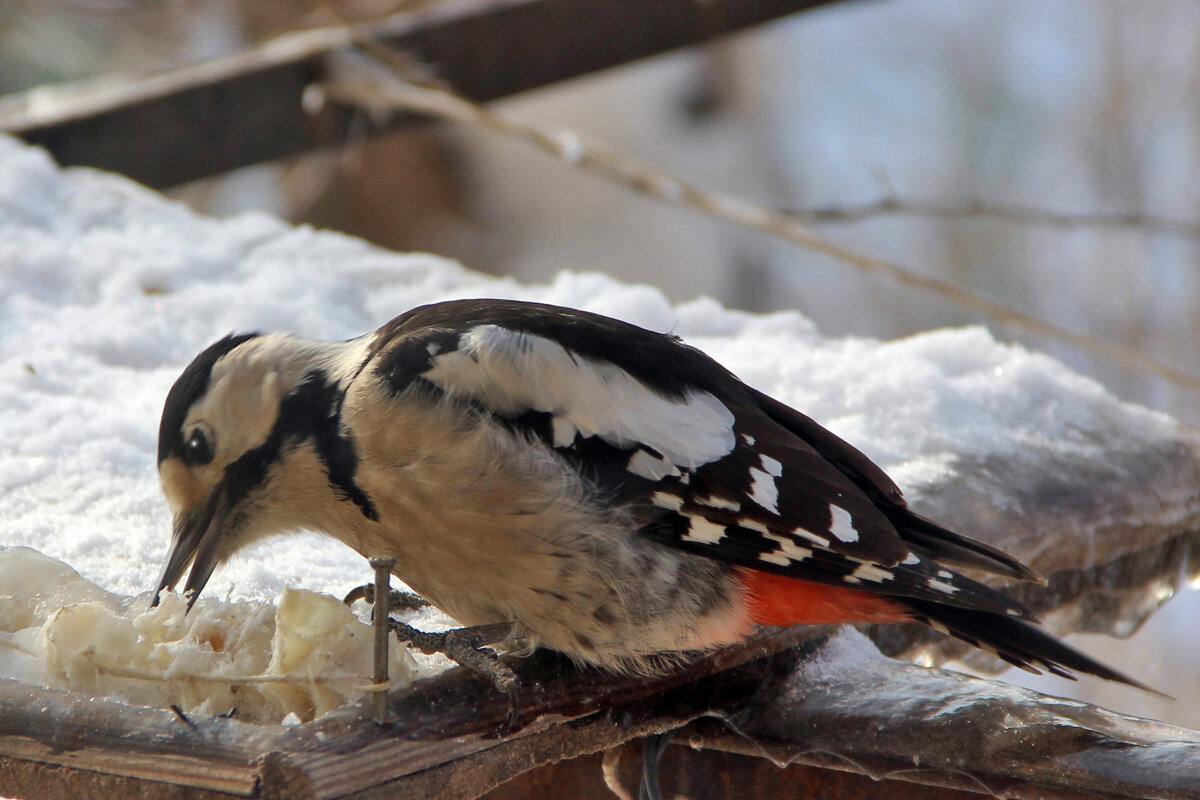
716, 467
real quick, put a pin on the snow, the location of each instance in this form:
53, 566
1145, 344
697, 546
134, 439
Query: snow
107, 291
844, 652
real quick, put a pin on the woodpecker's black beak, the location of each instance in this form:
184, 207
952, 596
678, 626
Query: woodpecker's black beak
195, 540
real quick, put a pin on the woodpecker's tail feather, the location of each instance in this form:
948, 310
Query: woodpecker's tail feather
1020, 643
936, 543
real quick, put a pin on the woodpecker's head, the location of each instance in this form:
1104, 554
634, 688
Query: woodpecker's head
233, 415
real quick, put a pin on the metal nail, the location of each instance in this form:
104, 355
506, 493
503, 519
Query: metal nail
383, 588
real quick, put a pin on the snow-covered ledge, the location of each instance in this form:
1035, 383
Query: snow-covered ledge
107, 290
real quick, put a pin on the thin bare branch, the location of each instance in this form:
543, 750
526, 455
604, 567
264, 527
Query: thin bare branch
975, 208
373, 84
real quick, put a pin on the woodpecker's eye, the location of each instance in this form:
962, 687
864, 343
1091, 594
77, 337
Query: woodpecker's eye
197, 449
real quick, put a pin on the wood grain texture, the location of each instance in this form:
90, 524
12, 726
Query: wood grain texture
442, 722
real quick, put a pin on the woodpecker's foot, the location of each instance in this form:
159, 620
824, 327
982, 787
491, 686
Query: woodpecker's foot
397, 600
464, 647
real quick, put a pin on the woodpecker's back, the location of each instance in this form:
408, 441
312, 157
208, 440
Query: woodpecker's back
617, 495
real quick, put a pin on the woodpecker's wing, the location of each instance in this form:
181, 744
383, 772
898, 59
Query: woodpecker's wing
717, 468
923, 536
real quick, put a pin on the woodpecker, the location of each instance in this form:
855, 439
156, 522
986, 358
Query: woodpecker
611, 492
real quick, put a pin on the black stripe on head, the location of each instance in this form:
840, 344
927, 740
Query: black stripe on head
310, 412
190, 387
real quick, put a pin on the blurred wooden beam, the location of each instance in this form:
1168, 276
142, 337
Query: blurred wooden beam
212, 117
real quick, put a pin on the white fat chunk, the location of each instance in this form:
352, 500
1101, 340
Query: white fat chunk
302, 658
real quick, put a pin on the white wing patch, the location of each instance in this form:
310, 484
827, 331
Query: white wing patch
513, 372
804, 533
667, 500
842, 526
649, 466
716, 501
564, 431
869, 572
763, 489
701, 530
788, 553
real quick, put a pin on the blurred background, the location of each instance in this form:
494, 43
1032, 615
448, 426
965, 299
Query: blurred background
961, 115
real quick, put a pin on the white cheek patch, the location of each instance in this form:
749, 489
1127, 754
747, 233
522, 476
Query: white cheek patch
246, 387
763, 488
513, 372
843, 525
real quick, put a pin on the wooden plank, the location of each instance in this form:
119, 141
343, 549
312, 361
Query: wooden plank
458, 715
40, 781
63, 729
205, 772
880, 718
440, 721
471, 775
213, 117
713, 775
885, 720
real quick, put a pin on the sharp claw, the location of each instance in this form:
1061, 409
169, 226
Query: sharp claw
397, 600
462, 646
358, 593
406, 601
